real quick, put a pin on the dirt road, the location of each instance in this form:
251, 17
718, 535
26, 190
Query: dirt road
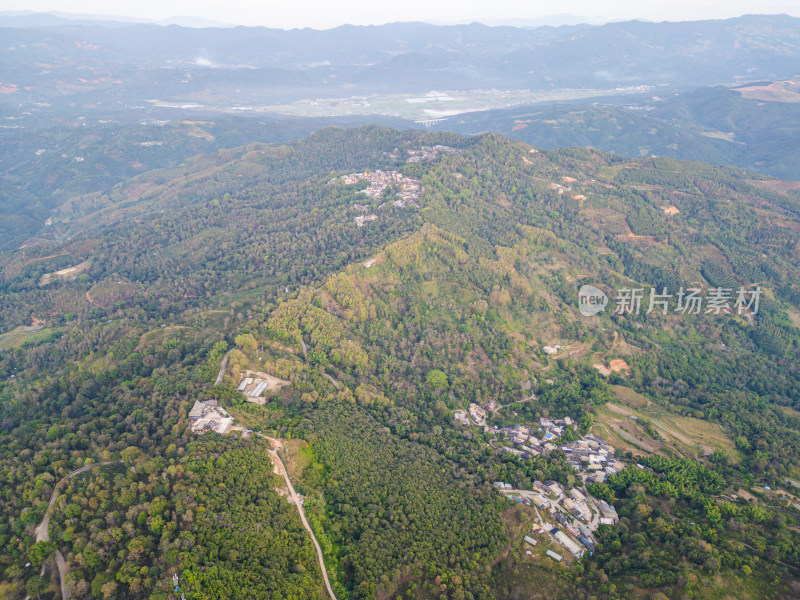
42, 533
89, 298
223, 365
296, 500
62, 574
42, 530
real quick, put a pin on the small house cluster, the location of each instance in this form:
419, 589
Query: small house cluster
428, 153
571, 516
252, 387
528, 442
409, 189
207, 415
361, 220
560, 188
253, 384
593, 457
571, 507
476, 413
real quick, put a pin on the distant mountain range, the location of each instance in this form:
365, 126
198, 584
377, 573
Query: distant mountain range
716, 124
70, 88
145, 60
29, 18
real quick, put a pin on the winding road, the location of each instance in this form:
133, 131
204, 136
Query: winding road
296, 500
42, 533
42, 530
281, 468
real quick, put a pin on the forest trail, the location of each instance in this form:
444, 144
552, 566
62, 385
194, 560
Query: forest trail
296, 500
42, 530
223, 365
42, 533
89, 298
335, 383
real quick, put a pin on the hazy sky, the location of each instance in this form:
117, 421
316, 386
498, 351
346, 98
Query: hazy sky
329, 13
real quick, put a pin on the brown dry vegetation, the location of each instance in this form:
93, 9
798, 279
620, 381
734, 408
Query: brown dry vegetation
679, 436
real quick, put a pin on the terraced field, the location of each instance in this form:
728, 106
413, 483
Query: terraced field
639, 426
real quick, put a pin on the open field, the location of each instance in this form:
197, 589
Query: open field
156, 337
790, 412
68, 273
642, 427
777, 91
628, 397
19, 335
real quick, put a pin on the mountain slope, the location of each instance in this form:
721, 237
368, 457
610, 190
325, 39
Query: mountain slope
382, 331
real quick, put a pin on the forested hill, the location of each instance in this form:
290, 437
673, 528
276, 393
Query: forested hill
387, 305
718, 125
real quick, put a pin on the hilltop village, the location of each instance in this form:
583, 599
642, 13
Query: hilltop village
389, 187
424, 153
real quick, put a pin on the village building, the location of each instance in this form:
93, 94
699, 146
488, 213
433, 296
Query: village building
206, 415
554, 555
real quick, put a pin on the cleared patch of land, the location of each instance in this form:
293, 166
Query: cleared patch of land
718, 135
68, 273
617, 365
790, 412
24, 333
257, 378
628, 397
777, 91
640, 426
161, 335
794, 316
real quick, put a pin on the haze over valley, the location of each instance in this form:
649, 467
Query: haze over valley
396, 311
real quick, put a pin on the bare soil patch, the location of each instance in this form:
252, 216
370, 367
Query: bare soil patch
777, 91
68, 273
618, 365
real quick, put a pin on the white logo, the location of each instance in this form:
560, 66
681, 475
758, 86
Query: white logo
591, 300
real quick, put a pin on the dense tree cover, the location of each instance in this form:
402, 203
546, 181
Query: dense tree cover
674, 509
237, 220
398, 510
456, 307
207, 512
47, 165
246, 540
